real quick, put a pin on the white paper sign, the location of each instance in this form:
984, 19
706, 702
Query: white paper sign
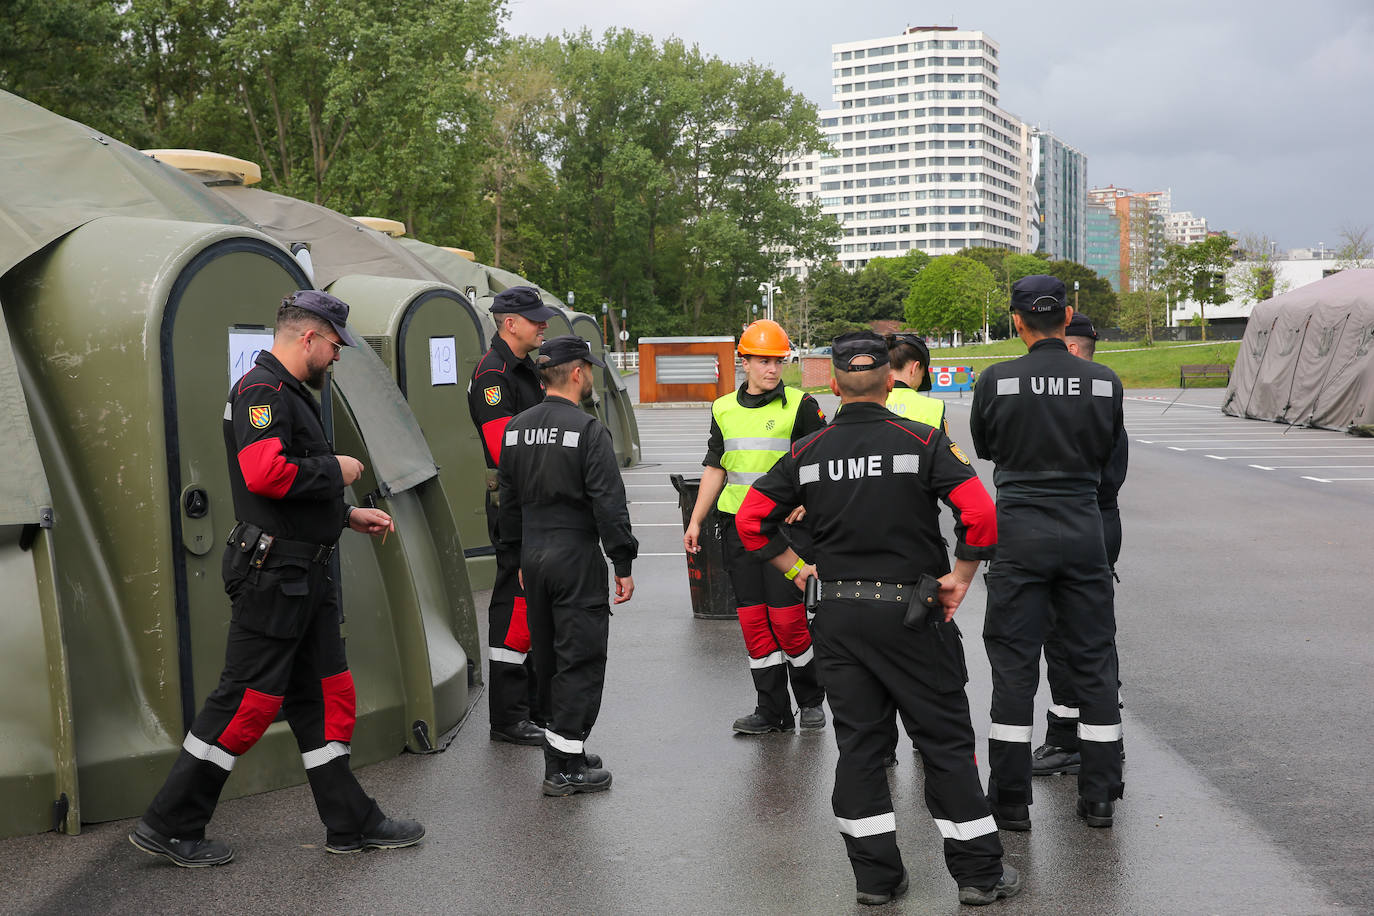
443, 361
244, 346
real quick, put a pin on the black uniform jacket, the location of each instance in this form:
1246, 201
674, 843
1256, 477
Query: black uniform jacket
501, 387
282, 470
560, 484
1048, 420
871, 482
810, 418
1114, 474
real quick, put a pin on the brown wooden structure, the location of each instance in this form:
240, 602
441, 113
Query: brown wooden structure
685, 368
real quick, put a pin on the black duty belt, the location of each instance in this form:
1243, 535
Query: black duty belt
900, 592
251, 539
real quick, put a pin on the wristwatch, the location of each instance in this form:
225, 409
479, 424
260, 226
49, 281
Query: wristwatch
348, 511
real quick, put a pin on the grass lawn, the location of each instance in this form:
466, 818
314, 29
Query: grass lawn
1138, 366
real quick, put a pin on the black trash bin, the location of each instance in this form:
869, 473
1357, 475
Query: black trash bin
712, 596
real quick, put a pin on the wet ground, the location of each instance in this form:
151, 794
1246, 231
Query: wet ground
1247, 656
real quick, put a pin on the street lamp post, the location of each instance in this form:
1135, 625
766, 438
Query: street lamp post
768, 288
1075, 295
571, 298
605, 317
624, 329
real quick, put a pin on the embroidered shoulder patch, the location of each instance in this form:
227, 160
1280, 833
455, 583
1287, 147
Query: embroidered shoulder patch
260, 416
493, 395
954, 450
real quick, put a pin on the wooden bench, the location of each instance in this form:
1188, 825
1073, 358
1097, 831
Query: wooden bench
1203, 371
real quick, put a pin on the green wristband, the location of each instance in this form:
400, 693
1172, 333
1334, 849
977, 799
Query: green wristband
792, 573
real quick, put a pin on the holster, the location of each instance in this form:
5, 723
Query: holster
925, 607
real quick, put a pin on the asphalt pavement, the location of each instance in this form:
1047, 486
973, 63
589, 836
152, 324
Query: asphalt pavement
1246, 654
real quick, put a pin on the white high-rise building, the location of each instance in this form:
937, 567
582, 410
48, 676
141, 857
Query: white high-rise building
1183, 228
920, 155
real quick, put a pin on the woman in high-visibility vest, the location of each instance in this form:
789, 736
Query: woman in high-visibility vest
750, 429
910, 362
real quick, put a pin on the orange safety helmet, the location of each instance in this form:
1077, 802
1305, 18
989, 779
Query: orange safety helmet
764, 338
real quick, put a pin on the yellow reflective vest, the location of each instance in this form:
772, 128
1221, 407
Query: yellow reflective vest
755, 438
908, 403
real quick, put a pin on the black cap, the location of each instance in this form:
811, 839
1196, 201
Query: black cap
846, 349
522, 300
565, 349
330, 308
1081, 325
1038, 293
922, 354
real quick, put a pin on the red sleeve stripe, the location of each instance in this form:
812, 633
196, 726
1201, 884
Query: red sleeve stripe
493, 433
749, 519
265, 469
243, 387
977, 511
911, 433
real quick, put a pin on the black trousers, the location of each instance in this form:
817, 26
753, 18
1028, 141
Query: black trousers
512, 692
284, 653
1051, 564
569, 612
871, 664
1061, 719
772, 617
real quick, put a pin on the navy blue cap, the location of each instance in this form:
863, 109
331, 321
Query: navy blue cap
329, 308
922, 354
565, 349
847, 349
524, 301
1038, 293
1081, 325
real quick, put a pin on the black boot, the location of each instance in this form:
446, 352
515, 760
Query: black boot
571, 775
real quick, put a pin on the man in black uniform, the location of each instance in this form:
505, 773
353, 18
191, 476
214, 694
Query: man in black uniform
1059, 753
561, 490
503, 385
870, 482
1048, 420
285, 650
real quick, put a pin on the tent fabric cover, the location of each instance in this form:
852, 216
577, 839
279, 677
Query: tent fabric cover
24, 495
57, 174
1307, 358
401, 458
339, 245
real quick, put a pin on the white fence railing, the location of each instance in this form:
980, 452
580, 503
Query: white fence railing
624, 361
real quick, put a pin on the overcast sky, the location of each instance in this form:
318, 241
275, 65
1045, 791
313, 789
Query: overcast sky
1258, 115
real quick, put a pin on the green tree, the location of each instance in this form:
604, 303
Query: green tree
951, 294
1255, 274
1197, 272
66, 55
880, 294
905, 267
1094, 297
1356, 249
1141, 311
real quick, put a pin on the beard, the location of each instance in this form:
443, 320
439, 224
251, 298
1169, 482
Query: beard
315, 376
587, 387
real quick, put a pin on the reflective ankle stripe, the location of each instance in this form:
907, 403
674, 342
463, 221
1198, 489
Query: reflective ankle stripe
1064, 712
801, 661
1011, 733
768, 661
509, 656
1098, 732
561, 744
869, 826
208, 752
966, 830
322, 755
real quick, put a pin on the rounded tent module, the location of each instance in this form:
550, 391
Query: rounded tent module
430, 339
128, 334
207, 164
391, 227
